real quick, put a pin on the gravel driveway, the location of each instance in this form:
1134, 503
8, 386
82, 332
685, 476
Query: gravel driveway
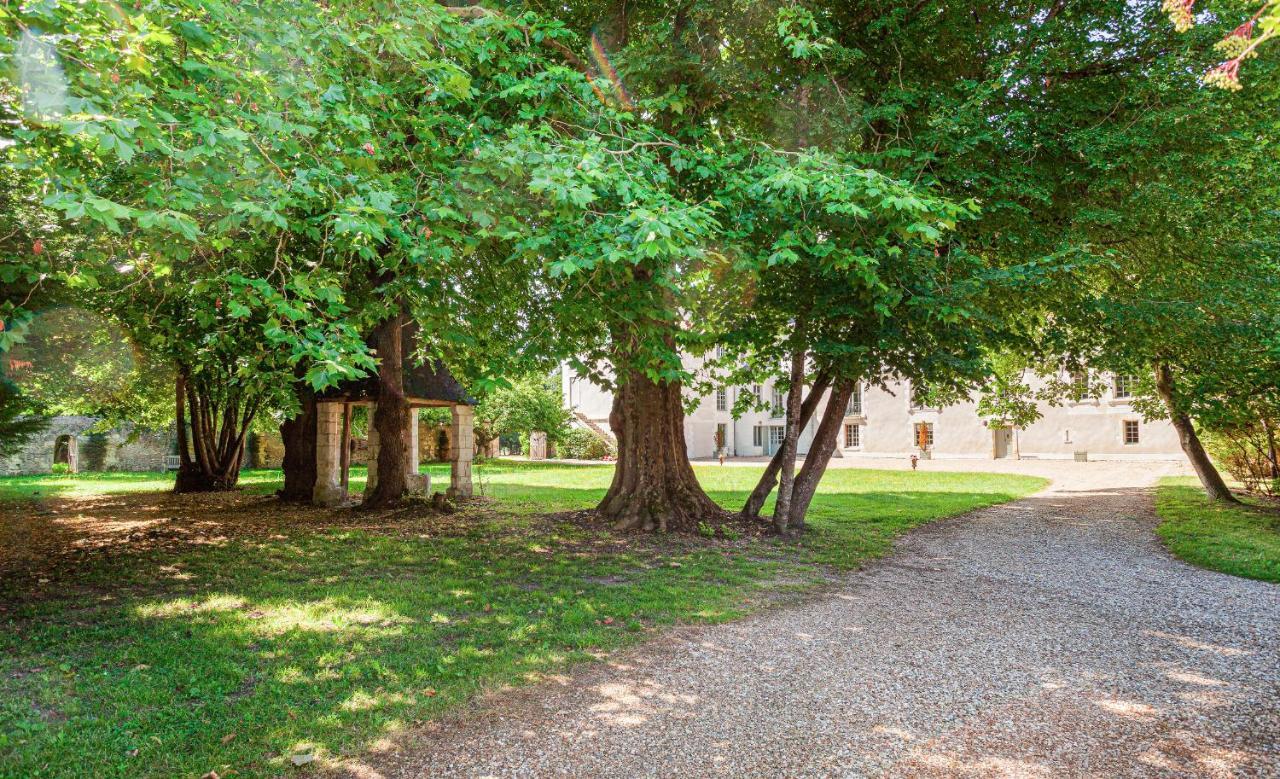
1050, 637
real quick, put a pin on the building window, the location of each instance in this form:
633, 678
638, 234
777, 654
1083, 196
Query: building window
722, 436
757, 436
755, 392
1080, 385
852, 437
922, 435
1124, 384
1131, 432
719, 352
722, 400
1066, 436
855, 401
779, 402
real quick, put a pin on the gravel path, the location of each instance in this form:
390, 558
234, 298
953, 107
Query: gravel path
1051, 637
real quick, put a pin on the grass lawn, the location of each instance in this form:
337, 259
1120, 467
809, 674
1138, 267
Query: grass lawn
1239, 540
241, 652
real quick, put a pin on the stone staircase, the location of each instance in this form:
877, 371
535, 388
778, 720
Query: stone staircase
586, 422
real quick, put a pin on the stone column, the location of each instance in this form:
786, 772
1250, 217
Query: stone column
328, 490
372, 453
462, 451
537, 445
417, 482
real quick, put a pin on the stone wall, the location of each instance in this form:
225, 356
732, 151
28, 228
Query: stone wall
113, 450
265, 450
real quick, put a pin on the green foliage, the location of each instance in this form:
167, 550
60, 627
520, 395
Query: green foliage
20, 417
76, 363
1242, 540
527, 404
578, 443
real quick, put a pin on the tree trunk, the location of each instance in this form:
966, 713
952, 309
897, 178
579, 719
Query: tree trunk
210, 454
768, 479
1210, 479
391, 418
815, 463
299, 436
790, 441
654, 487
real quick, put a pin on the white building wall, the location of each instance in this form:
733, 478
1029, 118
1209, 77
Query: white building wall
1094, 428
887, 426
583, 396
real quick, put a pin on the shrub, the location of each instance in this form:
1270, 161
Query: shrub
1248, 452
581, 444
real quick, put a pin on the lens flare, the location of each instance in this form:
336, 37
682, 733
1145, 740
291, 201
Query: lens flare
43, 84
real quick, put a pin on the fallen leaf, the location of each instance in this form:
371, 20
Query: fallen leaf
302, 759
227, 739
430, 692
210, 775
608, 620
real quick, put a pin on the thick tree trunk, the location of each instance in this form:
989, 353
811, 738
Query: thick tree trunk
1210, 479
391, 418
654, 487
790, 441
819, 456
299, 436
769, 479
210, 453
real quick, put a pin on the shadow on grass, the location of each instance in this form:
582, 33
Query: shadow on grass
323, 639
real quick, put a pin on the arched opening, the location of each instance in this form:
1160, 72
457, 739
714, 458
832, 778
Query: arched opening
64, 453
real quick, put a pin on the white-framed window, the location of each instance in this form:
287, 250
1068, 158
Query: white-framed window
779, 402
852, 436
1132, 432
757, 436
855, 401
722, 399
755, 392
922, 435
1123, 385
719, 352
1066, 436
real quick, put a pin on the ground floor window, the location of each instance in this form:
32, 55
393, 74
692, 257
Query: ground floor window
722, 436
1131, 432
757, 436
852, 436
923, 435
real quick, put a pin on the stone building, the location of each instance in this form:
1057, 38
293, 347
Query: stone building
71, 441
425, 386
893, 422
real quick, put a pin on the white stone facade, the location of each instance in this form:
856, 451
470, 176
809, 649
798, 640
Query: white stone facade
885, 423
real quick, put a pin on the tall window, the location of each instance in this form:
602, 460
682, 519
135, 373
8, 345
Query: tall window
1124, 384
855, 401
722, 400
1132, 434
757, 436
722, 436
922, 435
779, 402
852, 437
755, 392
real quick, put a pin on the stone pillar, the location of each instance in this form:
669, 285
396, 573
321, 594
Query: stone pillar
328, 490
417, 482
372, 453
461, 451
537, 445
